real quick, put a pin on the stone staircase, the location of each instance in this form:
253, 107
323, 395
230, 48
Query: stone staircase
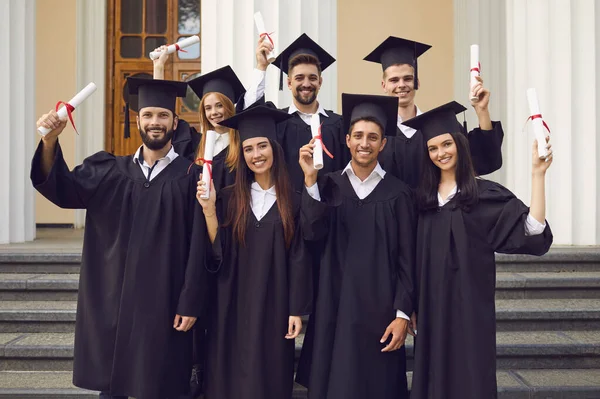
548, 321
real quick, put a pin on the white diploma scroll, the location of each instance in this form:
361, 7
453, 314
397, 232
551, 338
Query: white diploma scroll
474, 69
209, 148
171, 48
74, 102
318, 150
538, 123
260, 27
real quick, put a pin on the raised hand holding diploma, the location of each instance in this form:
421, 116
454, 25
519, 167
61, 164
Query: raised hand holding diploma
315, 129
475, 70
68, 107
307, 164
179, 46
539, 124
209, 148
260, 27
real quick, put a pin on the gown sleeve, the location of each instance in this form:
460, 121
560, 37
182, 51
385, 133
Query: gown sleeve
300, 275
404, 299
70, 189
486, 148
507, 223
315, 215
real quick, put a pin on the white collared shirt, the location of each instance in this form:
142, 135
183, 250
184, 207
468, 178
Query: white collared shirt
306, 117
407, 131
158, 166
362, 188
261, 200
221, 142
532, 226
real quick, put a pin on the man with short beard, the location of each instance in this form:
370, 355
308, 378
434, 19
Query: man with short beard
402, 156
142, 281
303, 61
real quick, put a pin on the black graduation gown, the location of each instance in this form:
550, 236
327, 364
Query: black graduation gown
403, 157
366, 273
186, 140
143, 261
258, 287
294, 133
455, 353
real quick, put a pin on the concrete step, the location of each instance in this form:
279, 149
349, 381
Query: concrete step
38, 287
578, 259
37, 316
40, 262
512, 384
547, 285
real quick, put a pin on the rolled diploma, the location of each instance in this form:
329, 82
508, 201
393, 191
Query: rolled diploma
260, 27
75, 101
188, 41
538, 124
474, 64
318, 150
209, 148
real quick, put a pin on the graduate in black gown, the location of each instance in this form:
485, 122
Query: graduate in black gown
303, 61
462, 222
143, 269
402, 157
366, 220
262, 269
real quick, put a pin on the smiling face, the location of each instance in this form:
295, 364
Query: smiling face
305, 81
156, 126
365, 142
258, 154
215, 110
443, 152
399, 81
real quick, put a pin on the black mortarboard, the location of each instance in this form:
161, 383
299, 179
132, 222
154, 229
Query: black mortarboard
257, 121
302, 45
438, 121
382, 108
222, 80
395, 50
154, 93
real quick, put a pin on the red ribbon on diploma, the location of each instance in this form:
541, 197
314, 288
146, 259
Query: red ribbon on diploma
70, 109
538, 116
320, 137
177, 48
268, 35
207, 162
478, 68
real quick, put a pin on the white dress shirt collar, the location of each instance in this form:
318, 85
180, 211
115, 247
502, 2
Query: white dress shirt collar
408, 131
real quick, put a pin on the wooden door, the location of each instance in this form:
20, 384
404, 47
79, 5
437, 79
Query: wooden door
136, 27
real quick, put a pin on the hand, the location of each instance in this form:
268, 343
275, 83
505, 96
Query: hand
162, 59
307, 164
540, 166
209, 203
482, 94
294, 327
51, 121
412, 326
397, 329
263, 48
183, 323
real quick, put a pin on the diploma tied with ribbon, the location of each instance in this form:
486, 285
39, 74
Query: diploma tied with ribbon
315, 129
179, 46
262, 32
475, 70
69, 107
209, 148
538, 123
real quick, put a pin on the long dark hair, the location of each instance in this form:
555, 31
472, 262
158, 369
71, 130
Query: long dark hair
239, 205
427, 192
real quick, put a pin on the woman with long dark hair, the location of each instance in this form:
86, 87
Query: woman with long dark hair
263, 274
463, 221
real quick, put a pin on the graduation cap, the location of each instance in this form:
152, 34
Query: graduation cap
395, 50
257, 121
384, 109
223, 80
302, 45
153, 93
438, 121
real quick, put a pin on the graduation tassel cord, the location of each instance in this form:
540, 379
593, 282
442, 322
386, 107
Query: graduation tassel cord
281, 74
466, 131
126, 133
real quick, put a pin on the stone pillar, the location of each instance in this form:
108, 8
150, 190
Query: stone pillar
17, 125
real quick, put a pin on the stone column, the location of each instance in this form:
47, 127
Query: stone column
17, 125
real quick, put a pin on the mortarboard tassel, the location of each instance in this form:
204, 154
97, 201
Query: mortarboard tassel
465, 130
281, 74
126, 134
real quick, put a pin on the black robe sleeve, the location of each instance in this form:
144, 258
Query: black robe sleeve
486, 148
222, 239
300, 275
315, 214
404, 299
507, 234
70, 189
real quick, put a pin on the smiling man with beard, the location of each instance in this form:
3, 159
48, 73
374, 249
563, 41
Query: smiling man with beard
143, 274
